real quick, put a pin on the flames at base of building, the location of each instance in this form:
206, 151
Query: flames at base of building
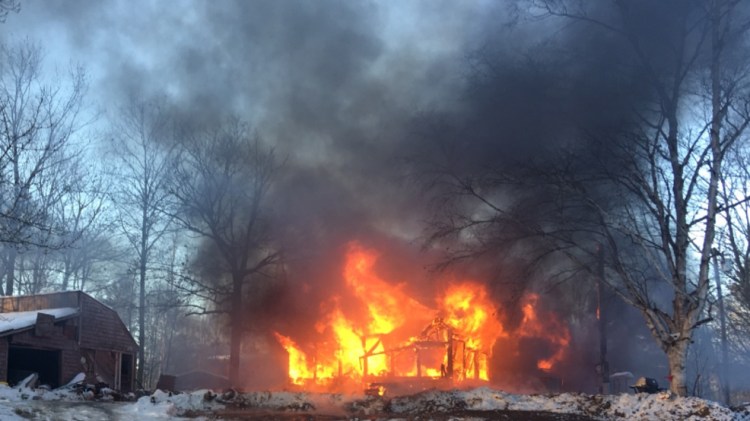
454, 340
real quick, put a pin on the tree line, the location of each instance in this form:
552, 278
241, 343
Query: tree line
643, 198
646, 202
118, 220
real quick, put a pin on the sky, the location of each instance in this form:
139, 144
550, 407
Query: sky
333, 85
350, 93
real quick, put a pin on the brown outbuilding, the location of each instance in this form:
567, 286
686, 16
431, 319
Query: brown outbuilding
61, 334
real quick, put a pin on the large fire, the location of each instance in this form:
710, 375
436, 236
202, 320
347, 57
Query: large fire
396, 336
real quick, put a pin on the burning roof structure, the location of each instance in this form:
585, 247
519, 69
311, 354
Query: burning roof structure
394, 337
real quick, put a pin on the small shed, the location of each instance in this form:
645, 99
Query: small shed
61, 334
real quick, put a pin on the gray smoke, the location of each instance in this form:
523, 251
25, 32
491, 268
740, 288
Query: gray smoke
359, 96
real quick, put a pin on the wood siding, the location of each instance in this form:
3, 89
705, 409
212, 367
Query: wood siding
85, 341
102, 329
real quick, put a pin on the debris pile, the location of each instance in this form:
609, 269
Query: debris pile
76, 389
479, 403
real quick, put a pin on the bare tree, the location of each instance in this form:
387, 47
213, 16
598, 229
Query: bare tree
734, 247
654, 211
82, 214
143, 153
37, 123
77, 238
168, 312
221, 183
7, 6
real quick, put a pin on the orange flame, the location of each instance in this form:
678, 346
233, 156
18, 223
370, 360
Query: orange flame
388, 305
551, 329
471, 314
457, 344
298, 366
468, 310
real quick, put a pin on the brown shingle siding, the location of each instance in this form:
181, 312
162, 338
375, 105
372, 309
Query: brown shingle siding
102, 328
3, 359
55, 340
96, 330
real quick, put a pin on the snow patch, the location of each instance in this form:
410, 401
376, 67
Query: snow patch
18, 404
24, 319
662, 406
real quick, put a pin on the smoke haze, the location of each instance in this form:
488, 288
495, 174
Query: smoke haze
358, 97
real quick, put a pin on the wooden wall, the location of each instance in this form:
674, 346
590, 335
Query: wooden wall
86, 341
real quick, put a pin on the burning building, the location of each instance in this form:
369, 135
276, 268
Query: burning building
380, 334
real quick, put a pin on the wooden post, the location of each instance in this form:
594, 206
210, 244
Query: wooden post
365, 357
476, 365
463, 365
449, 368
118, 371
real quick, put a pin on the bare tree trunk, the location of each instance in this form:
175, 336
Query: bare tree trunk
220, 182
715, 174
677, 356
39, 274
142, 307
10, 271
140, 132
66, 276
236, 333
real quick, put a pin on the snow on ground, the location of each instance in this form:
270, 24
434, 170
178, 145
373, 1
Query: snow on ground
162, 405
660, 406
23, 404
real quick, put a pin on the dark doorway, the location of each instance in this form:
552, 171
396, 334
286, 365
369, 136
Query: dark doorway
126, 373
24, 361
